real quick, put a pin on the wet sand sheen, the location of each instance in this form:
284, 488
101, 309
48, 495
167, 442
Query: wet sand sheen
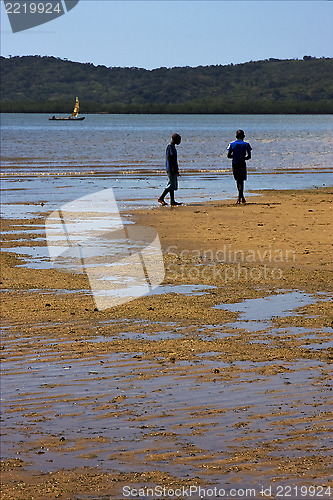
171, 389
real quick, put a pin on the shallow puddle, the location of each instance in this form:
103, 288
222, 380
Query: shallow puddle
119, 412
256, 314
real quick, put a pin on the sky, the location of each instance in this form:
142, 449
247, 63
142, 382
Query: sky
152, 34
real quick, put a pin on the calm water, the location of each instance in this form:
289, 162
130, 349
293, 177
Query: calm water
56, 162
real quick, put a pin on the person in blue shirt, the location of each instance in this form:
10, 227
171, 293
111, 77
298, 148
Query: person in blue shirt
171, 166
239, 151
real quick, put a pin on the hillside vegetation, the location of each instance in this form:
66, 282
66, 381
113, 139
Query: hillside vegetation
48, 84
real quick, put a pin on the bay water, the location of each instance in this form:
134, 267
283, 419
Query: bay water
54, 162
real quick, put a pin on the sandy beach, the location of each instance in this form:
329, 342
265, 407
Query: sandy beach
223, 379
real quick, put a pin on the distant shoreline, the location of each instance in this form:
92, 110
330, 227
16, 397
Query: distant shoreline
2, 111
49, 85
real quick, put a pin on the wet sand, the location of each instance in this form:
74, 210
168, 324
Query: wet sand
183, 388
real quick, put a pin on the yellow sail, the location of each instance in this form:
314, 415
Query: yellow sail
76, 108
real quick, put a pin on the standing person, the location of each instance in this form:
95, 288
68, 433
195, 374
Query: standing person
171, 166
239, 151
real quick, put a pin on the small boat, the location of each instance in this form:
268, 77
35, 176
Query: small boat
74, 115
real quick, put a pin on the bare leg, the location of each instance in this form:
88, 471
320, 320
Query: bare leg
240, 187
161, 198
172, 198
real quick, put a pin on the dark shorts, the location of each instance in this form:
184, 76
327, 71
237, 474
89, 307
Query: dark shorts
239, 171
173, 182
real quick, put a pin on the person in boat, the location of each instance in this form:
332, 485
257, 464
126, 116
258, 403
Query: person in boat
53, 117
171, 166
239, 151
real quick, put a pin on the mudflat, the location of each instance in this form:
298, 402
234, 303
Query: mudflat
220, 379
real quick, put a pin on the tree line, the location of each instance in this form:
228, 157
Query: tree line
49, 84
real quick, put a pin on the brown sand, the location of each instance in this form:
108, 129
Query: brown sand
165, 390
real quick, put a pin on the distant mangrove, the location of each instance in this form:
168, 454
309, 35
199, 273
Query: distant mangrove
35, 84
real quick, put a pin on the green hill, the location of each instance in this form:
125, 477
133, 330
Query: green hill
48, 84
